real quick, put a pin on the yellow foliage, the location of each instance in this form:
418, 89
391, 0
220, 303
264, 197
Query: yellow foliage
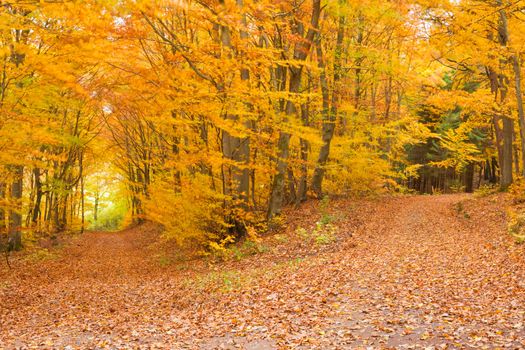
192, 215
214, 114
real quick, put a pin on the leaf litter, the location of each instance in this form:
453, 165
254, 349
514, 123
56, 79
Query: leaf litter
404, 273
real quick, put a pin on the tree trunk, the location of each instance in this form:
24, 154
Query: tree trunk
277, 195
95, 209
494, 167
301, 51
2, 218
499, 87
508, 123
38, 196
15, 217
521, 115
82, 200
329, 112
469, 178
235, 149
506, 162
302, 187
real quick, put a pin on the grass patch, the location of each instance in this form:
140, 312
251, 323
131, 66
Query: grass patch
229, 251
281, 238
41, 254
485, 191
164, 260
233, 280
322, 234
460, 210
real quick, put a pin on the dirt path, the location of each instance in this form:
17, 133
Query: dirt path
411, 272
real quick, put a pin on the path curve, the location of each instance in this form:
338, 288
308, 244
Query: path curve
410, 272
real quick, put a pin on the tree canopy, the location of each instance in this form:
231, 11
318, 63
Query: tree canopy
211, 116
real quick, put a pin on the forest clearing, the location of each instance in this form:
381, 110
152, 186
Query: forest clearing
262, 174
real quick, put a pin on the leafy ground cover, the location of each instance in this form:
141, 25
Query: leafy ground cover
417, 272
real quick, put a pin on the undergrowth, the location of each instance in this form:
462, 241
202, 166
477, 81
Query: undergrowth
227, 249
232, 280
460, 210
324, 232
516, 226
485, 190
41, 254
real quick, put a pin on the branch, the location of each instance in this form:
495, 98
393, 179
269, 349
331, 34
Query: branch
176, 48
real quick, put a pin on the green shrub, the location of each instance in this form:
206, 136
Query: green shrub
281, 238
485, 190
456, 186
516, 226
326, 217
322, 234
41, 254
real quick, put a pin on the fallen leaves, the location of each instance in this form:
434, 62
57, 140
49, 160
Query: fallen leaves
411, 276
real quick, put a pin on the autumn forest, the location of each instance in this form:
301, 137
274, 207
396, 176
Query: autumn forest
286, 174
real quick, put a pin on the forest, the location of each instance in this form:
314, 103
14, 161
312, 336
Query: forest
137, 136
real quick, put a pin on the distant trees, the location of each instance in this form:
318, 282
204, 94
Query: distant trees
473, 41
46, 123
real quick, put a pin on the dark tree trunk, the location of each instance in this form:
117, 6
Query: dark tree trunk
494, 171
38, 196
3, 236
82, 199
501, 87
469, 178
15, 217
506, 166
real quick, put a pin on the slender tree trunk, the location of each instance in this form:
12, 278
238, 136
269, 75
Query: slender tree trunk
63, 218
302, 187
521, 115
38, 196
15, 217
56, 214
358, 89
2, 218
515, 152
469, 178
283, 147
82, 199
506, 167
95, 209
508, 123
292, 193
494, 167
327, 128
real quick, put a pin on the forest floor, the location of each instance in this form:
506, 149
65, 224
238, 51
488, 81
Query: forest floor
415, 272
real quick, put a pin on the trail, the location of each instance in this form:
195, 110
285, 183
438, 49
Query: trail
418, 272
